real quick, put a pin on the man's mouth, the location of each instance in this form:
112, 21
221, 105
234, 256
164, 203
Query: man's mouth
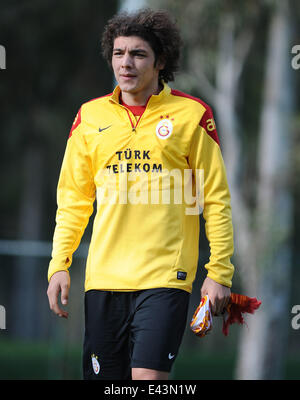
128, 76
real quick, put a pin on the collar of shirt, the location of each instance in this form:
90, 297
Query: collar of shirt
115, 97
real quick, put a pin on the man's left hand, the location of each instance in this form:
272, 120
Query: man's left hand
219, 295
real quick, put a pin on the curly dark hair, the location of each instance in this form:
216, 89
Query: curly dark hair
155, 27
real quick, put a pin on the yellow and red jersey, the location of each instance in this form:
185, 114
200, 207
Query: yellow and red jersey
145, 231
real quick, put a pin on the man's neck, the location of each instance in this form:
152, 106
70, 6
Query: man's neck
140, 98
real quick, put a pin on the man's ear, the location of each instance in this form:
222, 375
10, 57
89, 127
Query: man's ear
160, 63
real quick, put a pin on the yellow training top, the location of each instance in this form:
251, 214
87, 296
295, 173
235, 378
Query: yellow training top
150, 177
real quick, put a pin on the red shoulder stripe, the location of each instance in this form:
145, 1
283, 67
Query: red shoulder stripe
188, 96
76, 122
207, 121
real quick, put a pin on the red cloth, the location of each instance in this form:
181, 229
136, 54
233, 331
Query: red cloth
238, 305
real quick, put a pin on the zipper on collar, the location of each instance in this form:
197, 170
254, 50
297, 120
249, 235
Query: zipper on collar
133, 126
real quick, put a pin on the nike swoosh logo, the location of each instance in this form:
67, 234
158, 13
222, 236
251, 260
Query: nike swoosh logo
171, 356
103, 129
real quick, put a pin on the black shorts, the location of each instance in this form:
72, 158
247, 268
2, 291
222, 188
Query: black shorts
125, 330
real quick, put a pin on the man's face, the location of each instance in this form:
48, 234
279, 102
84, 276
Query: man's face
133, 65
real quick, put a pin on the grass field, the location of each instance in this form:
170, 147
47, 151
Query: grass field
48, 361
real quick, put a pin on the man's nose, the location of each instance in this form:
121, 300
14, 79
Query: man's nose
127, 61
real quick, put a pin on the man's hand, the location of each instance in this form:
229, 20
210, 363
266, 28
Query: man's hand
59, 282
218, 294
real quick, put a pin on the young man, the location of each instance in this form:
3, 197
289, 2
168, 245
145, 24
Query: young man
143, 253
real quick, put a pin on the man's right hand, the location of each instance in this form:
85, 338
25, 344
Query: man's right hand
59, 283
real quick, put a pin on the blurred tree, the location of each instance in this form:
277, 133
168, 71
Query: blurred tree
271, 236
217, 64
256, 242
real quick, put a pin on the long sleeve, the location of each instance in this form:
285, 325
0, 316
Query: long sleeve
205, 154
75, 198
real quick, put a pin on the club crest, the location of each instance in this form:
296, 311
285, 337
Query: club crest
164, 129
95, 364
